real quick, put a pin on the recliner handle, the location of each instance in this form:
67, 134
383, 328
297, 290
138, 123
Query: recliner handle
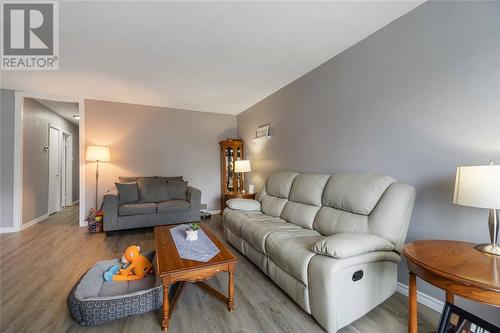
358, 275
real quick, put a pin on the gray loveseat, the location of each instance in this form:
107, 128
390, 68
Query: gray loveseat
148, 201
332, 243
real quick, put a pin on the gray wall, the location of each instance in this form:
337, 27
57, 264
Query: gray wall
7, 110
150, 141
414, 100
36, 120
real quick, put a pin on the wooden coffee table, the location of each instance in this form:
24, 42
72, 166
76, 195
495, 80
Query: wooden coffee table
172, 269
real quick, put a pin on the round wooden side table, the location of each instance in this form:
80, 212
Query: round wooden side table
456, 267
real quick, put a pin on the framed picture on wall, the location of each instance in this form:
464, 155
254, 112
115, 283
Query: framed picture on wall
262, 131
457, 320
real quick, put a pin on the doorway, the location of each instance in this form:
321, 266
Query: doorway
60, 170
54, 171
51, 158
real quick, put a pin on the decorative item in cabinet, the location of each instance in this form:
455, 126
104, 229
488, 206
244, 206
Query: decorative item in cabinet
231, 150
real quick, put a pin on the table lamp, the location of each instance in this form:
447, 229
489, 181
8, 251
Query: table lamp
241, 166
97, 154
479, 186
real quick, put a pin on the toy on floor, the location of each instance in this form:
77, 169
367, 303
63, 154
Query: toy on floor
138, 266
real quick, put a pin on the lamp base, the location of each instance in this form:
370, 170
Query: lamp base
489, 248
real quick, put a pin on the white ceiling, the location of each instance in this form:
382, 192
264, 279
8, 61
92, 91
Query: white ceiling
207, 56
64, 109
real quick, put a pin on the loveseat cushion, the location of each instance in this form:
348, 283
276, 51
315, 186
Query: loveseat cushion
308, 188
234, 219
272, 205
153, 190
291, 250
128, 179
127, 192
279, 184
331, 221
244, 204
255, 232
300, 214
177, 189
349, 244
355, 193
173, 206
137, 209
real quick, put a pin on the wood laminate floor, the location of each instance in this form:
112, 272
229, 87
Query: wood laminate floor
39, 265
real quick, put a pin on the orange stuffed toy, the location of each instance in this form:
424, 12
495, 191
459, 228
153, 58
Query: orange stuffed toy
138, 266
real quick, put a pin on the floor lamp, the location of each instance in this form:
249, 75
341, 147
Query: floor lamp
97, 154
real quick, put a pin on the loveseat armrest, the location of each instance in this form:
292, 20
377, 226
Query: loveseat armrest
110, 205
243, 204
193, 196
349, 244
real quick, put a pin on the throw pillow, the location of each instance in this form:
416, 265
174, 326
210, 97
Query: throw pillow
243, 204
127, 192
154, 190
177, 190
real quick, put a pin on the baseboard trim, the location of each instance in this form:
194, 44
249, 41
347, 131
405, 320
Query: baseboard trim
213, 211
75, 202
33, 222
422, 298
6, 230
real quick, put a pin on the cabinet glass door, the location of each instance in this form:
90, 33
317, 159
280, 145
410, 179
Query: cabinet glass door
229, 169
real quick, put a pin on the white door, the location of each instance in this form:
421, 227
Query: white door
68, 170
54, 170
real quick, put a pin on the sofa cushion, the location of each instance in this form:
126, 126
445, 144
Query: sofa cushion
355, 193
273, 206
291, 250
350, 244
330, 221
127, 192
255, 232
137, 209
153, 190
177, 189
234, 219
279, 184
173, 206
308, 188
300, 214
244, 204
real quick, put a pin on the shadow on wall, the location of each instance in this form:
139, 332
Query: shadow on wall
228, 133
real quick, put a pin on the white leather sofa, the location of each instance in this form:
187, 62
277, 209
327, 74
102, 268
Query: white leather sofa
332, 243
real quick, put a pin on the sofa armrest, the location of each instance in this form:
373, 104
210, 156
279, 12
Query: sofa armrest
110, 205
243, 204
349, 244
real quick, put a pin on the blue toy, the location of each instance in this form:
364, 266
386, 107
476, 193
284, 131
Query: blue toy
113, 270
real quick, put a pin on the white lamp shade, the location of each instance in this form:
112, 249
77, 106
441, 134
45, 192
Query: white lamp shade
242, 166
97, 153
478, 186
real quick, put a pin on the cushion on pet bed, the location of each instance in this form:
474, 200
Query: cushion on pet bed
93, 301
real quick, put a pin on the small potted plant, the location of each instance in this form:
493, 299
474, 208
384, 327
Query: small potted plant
192, 232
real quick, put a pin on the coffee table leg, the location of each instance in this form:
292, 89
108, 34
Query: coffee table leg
412, 304
230, 289
165, 309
